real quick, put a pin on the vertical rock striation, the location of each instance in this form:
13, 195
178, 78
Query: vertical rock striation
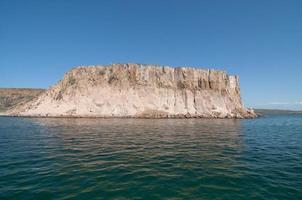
134, 90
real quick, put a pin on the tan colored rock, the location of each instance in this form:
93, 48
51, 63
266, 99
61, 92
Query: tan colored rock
134, 90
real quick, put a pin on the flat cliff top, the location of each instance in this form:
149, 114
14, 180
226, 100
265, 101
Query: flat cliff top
131, 74
139, 65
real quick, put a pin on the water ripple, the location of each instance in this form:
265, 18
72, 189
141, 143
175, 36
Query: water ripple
151, 159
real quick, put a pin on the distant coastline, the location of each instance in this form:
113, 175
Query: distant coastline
11, 97
277, 112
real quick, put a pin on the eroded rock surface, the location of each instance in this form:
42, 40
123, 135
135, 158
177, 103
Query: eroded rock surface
134, 90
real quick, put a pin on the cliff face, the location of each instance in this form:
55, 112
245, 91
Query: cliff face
133, 90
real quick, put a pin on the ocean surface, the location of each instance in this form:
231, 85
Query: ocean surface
151, 159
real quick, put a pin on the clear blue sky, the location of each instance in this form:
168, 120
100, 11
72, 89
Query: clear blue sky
259, 40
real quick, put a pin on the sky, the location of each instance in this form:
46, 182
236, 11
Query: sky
259, 40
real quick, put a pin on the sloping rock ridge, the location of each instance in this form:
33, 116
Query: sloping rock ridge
143, 91
12, 97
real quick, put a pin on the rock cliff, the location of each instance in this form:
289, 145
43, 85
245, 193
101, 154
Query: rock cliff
134, 90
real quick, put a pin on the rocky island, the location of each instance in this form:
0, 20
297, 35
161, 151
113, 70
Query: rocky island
142, 91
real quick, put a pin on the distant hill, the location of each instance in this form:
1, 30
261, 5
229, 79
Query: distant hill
276, 112
10, 97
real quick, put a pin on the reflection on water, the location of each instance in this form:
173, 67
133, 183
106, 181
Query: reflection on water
150, 159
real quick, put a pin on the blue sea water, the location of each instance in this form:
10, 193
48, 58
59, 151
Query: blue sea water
151, 158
